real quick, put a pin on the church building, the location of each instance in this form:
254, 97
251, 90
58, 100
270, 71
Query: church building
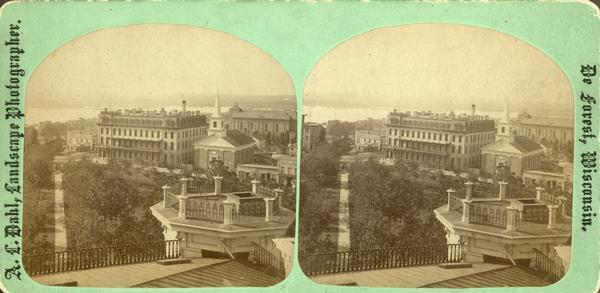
518, 153
232, 147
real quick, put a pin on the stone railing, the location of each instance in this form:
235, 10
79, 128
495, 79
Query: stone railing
222, 206
509, 214
488, 214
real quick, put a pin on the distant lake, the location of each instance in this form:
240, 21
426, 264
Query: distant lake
318, 114
36, 115
322, 114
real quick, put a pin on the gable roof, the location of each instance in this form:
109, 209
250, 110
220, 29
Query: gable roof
232, 138
237, 138
520, 145
264, 114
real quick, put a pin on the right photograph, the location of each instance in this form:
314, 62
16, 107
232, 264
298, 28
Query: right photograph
436, 156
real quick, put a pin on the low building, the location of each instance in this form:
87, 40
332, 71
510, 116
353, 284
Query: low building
81, 140
287, 169
230, 146
261, 122
311, 135
368, 140
551, 180
260, 172
555, 132
60, 160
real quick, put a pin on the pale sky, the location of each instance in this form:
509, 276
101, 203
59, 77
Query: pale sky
145, 64
439, 67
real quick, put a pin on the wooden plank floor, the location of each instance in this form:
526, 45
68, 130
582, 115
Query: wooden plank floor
506, 277
226, 274
407, 277
122, 276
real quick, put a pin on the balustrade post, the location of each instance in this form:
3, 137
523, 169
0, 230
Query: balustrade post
268, 208
165, 190
184, 183
503, 186
218, 184
562, 202
228, 211
552, 212
450, 194
538, 193
469, 190
466, 213
255, 184
182, 206
511, 218
278, 195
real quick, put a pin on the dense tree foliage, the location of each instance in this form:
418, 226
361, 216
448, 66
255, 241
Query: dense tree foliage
385, 208
317, 212
320, 167
103, 208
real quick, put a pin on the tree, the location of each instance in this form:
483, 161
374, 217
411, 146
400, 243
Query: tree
384, 209
102, 208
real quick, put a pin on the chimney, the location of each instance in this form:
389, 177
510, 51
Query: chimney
183, 106
473, 110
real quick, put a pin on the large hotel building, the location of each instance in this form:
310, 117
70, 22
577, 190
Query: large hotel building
439, 140
158, 138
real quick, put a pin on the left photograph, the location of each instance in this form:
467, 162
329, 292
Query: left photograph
159, 156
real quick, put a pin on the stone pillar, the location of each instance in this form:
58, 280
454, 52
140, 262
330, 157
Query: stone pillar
552, 213
255, 184
268, 208
165, 190
503, 185
218, 184
469, 190
182, 205
228, 206
466, 211
450, 194
184, 183
538, 193
278, 195
511, 218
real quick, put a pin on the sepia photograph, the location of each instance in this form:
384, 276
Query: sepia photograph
159, 156
436, 156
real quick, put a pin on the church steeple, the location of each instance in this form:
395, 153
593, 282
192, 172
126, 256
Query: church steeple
505, 125
217, 120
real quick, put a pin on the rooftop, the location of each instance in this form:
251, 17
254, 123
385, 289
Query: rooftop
549, 122
139, 112
433, 276
201, 272
438, 116
520, 144
264, 114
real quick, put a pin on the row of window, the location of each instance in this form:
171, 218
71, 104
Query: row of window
442, 136
187, 144
154, 134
